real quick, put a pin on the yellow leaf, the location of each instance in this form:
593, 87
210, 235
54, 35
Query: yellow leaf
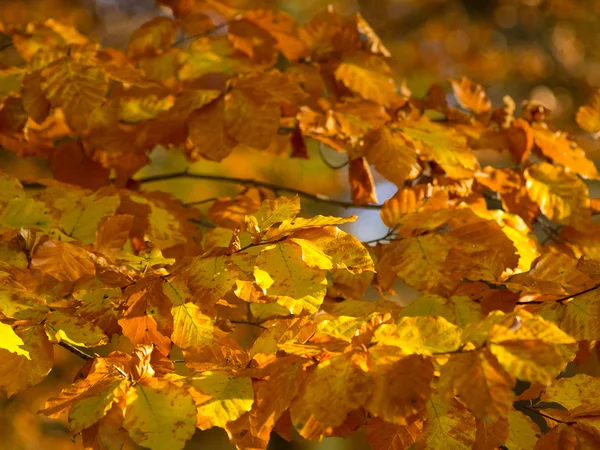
273, 397
574, 392
10, 82
561, 195
94, 404
383, 435
401, 389
190, 326
88, 400
523, 432
529, 347
471, 96
345, 327
369, 78
420, 335
17, 372
138, 109
557, 146
75, 331
298, 330
207, 137
154, 35
26, 213
562, 437
482, 385
588, 115
220, 398
392, 156
270, 213
332, 249
285, 278
459, 310
76, 88
81, 220
160, 415
443, 145
449, 425
491, 435
342, 378
9, 340
300, 223
62, 260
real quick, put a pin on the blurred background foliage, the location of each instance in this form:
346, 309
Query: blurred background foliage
543, 50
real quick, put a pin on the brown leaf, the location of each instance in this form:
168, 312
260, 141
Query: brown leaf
62, 260
361, 182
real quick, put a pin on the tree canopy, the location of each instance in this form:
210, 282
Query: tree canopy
244, 312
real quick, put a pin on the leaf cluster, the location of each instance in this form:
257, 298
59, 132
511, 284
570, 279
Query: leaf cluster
153, 302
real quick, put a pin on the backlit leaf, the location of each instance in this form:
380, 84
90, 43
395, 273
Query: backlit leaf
160, 415
221, 398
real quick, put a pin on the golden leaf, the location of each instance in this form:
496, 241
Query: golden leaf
341, 378
76, 88
151, 37
369, 78
401, 389
160, 415
471, 96
449, 425
62, 260
482, 385
18, 372
361, 182
285, 278
421, 335
383, 435
220, 398
392, 156
588, 115
207, 137
561, 195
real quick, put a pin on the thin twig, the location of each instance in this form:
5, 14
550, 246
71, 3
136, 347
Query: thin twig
537, 411
244, 322
327, 163
83, 355
201, 202
562, 299
389, 233
250, 182
207, 32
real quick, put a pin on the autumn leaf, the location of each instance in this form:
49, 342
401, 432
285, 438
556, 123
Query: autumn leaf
471, 96
62, 260
392, 156
75, 88
341, 377
369, 77
449, 424
160, 414
562, 196
285, 278
588, 115
220, 398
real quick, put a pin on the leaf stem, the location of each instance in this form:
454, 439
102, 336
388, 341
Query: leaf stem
245, 322
83, 355
562, 299
255, 183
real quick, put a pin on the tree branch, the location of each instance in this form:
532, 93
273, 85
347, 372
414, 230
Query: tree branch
250, 182
562, 299
207, 32
83, 355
